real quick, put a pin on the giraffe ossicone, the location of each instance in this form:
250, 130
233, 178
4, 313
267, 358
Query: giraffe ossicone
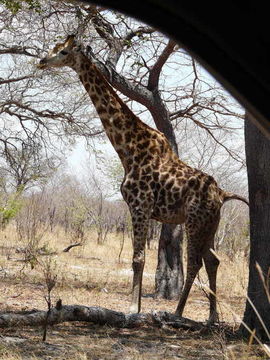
157, 184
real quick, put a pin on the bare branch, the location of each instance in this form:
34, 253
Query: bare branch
133, 91
235, 156
18, 50
156, 69
182, 113
138, 32
196, 78
8, 81
72, 246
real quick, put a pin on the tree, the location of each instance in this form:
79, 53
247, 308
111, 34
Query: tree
25, 165
35, 111
258, 302
98, 211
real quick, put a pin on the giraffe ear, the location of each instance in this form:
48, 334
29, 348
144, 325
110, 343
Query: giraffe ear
70, 41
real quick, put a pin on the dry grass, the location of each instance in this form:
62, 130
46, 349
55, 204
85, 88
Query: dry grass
92, 275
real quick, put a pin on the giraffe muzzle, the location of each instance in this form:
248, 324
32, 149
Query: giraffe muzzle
42, 64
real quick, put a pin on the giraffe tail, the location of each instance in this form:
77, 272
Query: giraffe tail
231, 196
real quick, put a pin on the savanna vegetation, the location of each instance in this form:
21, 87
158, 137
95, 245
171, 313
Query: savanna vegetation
65, 231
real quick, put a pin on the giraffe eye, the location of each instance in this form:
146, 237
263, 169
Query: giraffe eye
63, 52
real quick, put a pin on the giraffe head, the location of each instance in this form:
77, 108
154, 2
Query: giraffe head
63, 54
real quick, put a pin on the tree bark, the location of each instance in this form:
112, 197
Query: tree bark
258, 167
169, 274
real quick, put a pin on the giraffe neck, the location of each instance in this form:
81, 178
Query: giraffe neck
119, 122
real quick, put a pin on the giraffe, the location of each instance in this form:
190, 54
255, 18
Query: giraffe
157, 184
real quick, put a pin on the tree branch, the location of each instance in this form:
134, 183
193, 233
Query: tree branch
134, 92
116, 44
72, 246
138, 32
18, 50
8, 81
156, 69
183, 113
235, 156
97, 315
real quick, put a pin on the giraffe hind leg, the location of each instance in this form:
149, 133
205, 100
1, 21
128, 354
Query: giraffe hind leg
211, 265
199, 243
194, 263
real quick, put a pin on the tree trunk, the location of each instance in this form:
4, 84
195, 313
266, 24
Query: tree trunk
169, 274
169, 277
258, 167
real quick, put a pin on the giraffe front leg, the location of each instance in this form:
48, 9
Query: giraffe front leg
140, 229
137, 266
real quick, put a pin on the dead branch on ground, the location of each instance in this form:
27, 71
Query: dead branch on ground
97, 315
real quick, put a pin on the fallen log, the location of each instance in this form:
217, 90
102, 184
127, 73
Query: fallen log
97, 315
